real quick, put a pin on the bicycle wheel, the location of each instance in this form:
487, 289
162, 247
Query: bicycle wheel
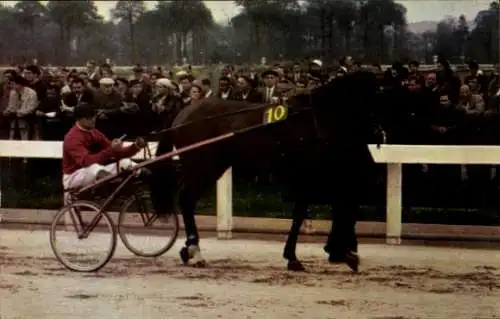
142, 231
69, 224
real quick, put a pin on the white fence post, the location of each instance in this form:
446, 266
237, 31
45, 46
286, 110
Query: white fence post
394, 203
225, 205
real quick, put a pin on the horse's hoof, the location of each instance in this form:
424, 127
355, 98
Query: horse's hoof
336, 259
295, 265
184, 253
200, 264
352, 261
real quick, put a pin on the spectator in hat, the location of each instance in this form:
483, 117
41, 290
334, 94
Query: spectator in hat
166, 104
246, 90
450, 81
415, 72
226, 90
207, 87
476, 75
107, 71
185, 80
298, 77
122, 86
138, 72
52, 122
138, 98
22, 105
345, 66
109, 102
270, 92
93, 70
196, 94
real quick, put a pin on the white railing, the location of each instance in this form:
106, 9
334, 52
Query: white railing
53, 150
392, 155
397, 155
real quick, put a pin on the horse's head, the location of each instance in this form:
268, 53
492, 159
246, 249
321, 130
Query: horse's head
350, 93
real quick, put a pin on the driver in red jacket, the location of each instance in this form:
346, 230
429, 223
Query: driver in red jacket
88, 155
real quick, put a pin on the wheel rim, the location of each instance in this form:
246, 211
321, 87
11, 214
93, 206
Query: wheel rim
146, 240
64, 238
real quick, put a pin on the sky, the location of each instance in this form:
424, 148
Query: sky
418, 10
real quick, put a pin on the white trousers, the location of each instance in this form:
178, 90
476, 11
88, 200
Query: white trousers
87, 175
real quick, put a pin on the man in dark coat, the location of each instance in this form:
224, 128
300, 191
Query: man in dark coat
79, 93
270, 91
226, 90
246, 90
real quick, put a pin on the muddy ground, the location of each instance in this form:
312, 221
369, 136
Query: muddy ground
246, 279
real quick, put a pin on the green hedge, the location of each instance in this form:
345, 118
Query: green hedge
250, 199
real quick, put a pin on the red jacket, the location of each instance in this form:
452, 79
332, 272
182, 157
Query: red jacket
82, 148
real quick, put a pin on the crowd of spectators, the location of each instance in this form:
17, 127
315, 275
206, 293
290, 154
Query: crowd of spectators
442, 107
438, 107
38, 103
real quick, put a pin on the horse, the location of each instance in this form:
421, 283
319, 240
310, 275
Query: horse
334, 120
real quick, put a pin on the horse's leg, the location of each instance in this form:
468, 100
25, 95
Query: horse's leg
191, 251
299, 214
342, 244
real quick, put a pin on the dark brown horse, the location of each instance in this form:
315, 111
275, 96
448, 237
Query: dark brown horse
325, 133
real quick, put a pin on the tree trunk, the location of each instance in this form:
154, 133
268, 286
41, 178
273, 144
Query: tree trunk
257, 52
382, 43
184, 46
347, 39
133, 48
60, 48
323, 32
34, 42
329, 38
366, 43
178, 48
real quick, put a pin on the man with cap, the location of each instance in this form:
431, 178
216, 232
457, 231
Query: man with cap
138, 71
88, 155
298, 77
413, 68
109, 102
247, 91
270, 93
345, 66
316, 70
225, 91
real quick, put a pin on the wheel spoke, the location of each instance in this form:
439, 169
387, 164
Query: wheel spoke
93, 247
141, 230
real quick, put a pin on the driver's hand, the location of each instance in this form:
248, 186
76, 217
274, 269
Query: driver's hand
116, 145
140, 142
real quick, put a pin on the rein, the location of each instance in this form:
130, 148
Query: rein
213, 117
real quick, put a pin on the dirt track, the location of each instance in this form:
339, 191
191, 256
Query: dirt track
245, 279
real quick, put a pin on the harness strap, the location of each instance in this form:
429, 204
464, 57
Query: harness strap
315, 118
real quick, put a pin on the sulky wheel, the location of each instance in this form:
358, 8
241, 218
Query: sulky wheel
78, 246
142, 231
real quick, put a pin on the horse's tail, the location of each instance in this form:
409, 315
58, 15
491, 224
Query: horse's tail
165, 181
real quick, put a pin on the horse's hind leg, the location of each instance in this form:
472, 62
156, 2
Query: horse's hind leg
190, 253
299, 214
